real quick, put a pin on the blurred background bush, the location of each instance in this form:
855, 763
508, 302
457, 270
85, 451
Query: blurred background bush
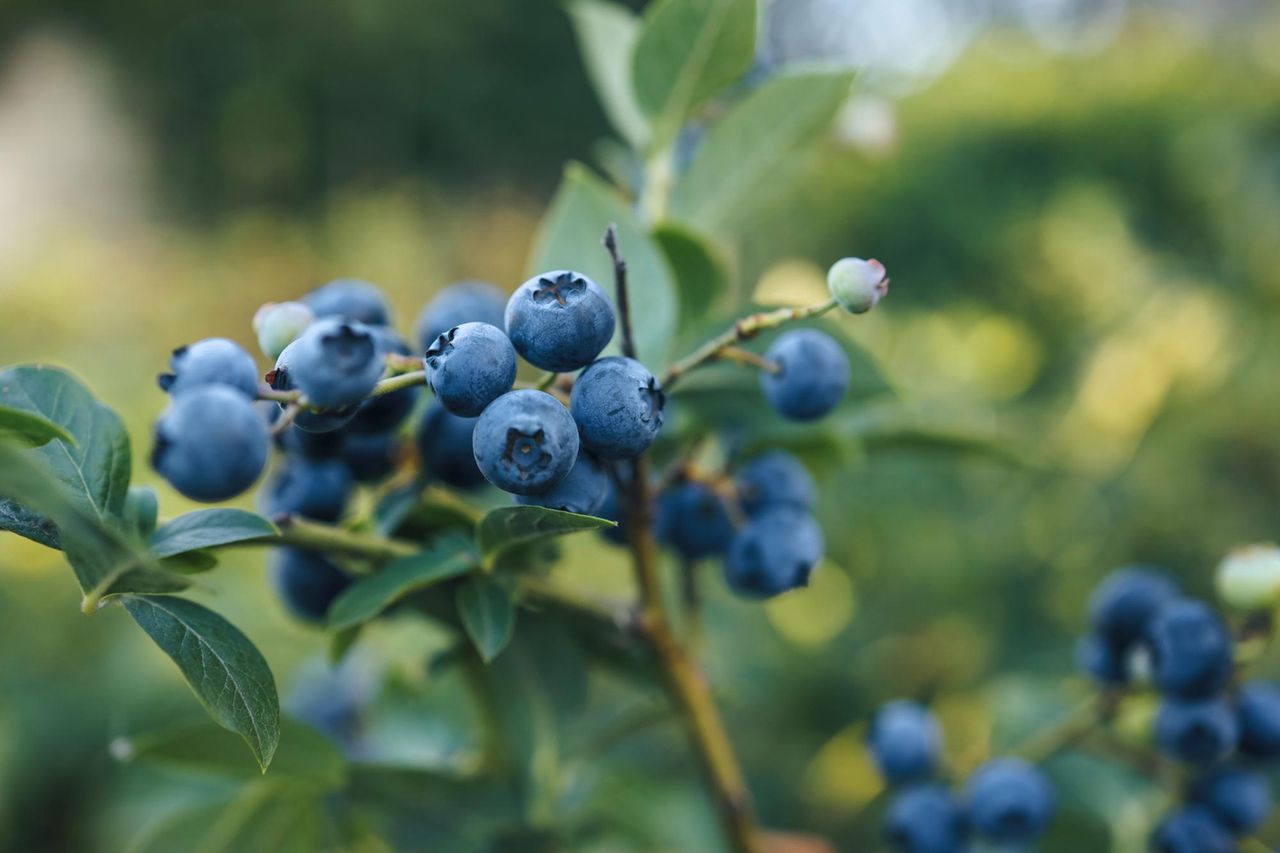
1078, 202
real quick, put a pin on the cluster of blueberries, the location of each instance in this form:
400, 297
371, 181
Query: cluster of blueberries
1007, 802
335, 345
1143, 628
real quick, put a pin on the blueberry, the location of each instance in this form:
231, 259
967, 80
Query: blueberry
694, 520
1191, 830
1199, 731
905, 741
370, 457
583, 491
209, 362
210, 444
1104, 662
335, 363
465, 302
775, 552
925, 819
1191, 650
559, 320
470, 366
1258, 712
304, 444
525, 442
812, 377
316, 490
322, 421
857, 284
1010, 801
775, 479
444, 446
618, 406
350, 299
307, 582
1122, 606
278, 324
1240, 799
386, 411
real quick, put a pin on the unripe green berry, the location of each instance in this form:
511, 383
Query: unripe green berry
857, 284
278, 324
1249, 577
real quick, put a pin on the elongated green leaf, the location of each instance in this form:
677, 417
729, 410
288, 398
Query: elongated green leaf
747, 149
25, 429
133, 580
570, 239
263, 816
488, 613
226, 671
95, 469
607, 34
374, 593
510, 526
700, 273
688, 51
208, 528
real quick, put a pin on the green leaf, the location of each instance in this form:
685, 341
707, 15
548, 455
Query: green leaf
373, 593
747, 148
570, 238
304, 753
607, 34
488, 613
509, 526
264, 816
21, 427
190, 562
95, 469
209, 528
700, 272
688, 51
140, 512
142, 580
226, 671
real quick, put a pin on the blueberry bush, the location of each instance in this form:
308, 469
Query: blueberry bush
432, 473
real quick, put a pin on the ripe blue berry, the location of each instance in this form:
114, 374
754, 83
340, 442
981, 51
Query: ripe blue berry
618, 406
307, 582
209, 362
370, 457
1197, 731
583, 491
278, 324
317, 490
386, 411
335, 363
1102, 661
925, 819
775, 479
813, 375
1010, 801
1191, 649
525, 442
210, 444
693, 519
1240, 799
1122, 606
315, 422
775, 552
905, 741
304, 444
350, 299
444, 446
465, 302
1259, 716
1192, 830
559, 320
612, 509
470, 366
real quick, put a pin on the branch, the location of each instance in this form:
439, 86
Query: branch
385, 386
620, 288
745, 329
1071, 729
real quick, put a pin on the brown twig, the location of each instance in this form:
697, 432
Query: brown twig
620, 288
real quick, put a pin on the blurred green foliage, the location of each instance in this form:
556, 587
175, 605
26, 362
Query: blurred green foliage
1084, 261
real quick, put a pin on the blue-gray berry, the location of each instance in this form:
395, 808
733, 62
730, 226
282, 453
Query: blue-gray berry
1192, 829
444, 446
211, 361
775, 552
370, 456
464, 302
773, 479
470, 366
905, 741
386, 411
618, 405
584, 490
311, 489
336, 363
1238, 797
210, 443
525, 442
694, 519
351, 299
926, 818
1010, 801
812, 376
307, 582
1259, 716
559, 320
1197, 731
1192, 653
